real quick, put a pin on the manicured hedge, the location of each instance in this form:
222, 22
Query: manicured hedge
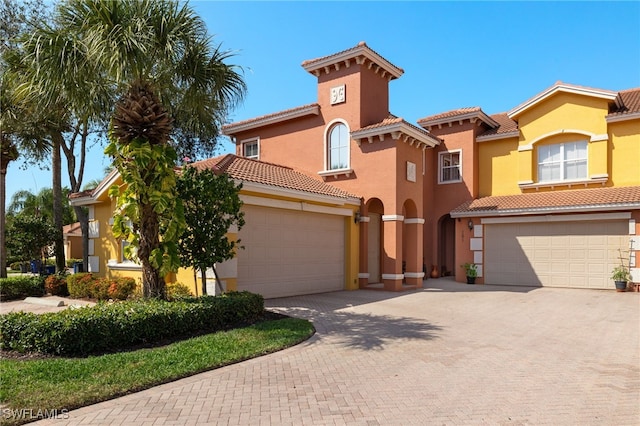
108, 327
84, 284
13, 288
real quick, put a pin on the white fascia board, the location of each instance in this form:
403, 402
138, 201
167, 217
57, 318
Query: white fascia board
232, 129
622, 117
548, 210
557, 218
292, 193
566, 88
253, 200
103, 186
506, 135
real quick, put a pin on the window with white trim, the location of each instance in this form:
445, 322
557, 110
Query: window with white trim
562, 161
251, 149
338, 147
450, 167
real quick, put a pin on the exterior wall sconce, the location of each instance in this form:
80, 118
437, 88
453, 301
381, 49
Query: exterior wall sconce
470, 225
356, 217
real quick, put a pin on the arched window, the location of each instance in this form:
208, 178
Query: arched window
338, 147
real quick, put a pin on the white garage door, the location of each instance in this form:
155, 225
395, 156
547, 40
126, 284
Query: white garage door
290, 252
556, 254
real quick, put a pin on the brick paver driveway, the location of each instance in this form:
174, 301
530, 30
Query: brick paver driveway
449, 354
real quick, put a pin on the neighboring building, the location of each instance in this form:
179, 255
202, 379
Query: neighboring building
300, 235
72, 236
342, 194
549, 192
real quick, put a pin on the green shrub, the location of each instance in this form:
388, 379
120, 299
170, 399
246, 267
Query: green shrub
56, 285
121, 288
13, 288
78, 284
108, 327
176, 291
85, 285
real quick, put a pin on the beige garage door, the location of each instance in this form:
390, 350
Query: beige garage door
555, 254
290, 252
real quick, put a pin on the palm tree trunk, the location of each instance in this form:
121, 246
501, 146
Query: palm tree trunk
153, 284
3, 197
56, 164
8, 153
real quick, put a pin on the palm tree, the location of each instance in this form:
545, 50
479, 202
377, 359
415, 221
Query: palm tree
157, 46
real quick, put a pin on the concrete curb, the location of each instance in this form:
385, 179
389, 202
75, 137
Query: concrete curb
44, 301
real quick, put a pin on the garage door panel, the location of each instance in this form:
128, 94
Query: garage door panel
291, 252
559, 254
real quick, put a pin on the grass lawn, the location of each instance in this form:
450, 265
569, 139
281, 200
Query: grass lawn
68, 383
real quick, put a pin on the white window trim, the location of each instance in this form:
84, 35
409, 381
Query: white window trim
246, 142
562, 181
335, 172
440, 155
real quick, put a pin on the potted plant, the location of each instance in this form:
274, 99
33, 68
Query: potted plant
620, 275
471, 269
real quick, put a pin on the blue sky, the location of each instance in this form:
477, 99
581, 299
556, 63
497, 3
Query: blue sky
455, 54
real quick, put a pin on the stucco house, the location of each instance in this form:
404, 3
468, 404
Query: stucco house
547, 193
342, 194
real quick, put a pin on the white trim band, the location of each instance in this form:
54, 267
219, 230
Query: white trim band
365, 219
556, 218
414, 274
414, 220
363, 275
392, 218
392, 276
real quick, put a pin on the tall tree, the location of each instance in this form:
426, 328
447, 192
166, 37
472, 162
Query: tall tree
41, 205
163, 47
16, 20
211, 206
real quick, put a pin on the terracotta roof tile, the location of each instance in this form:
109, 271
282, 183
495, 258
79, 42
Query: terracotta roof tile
359, 47
543, 202
630, 99
505, 125
449, 114
261, 172
277, 116
72, 229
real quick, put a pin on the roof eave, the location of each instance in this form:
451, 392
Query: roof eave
547, 210
395, 130
461, 117
497, 136
313, 67
232, 129
566, 88
103, 186
622, 117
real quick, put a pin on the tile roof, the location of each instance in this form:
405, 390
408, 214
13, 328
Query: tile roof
261, 172
361, 49
271, 118
393, 123
72, 229
630, 100
554, 201
449, 114
505, 125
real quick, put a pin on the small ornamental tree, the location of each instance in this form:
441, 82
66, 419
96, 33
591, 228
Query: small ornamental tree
211, 206
29, 236
148, 214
